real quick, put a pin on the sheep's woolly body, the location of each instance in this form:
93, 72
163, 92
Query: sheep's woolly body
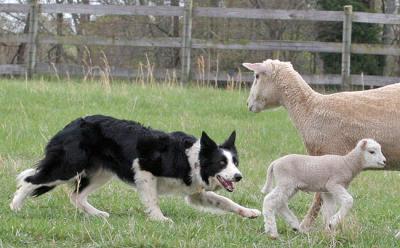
329, 124
332, 124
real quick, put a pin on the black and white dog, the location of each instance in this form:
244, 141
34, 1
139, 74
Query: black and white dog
89, 151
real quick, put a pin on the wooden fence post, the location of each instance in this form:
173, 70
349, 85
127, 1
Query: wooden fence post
186, 42
33, 31
346, 47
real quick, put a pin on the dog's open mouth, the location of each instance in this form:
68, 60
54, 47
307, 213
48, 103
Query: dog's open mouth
228, 185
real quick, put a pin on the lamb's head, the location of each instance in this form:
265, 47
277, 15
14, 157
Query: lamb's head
372, 153
264, 92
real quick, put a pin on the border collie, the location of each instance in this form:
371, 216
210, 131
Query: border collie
89, 151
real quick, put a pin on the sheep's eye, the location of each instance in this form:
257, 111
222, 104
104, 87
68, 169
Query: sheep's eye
257, 76
372, 152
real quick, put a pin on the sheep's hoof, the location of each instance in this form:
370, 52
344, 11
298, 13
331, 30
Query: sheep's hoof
304, 228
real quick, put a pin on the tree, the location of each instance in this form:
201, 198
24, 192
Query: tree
361, 33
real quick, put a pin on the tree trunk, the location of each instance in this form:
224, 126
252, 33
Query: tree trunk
391, 62
59, 47
20, 55
175, 33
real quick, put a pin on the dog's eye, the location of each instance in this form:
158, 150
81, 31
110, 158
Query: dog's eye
372, 152
222, 162
235, 161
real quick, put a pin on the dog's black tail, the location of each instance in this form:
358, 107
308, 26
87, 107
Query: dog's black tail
41, 190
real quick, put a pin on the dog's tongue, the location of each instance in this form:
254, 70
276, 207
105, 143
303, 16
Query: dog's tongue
228, 185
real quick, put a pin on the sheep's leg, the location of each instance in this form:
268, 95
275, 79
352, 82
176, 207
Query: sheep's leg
328, 207
289, 217
346, 202
312, 213
274, 201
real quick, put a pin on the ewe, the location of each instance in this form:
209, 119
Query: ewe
329, 124
328, 174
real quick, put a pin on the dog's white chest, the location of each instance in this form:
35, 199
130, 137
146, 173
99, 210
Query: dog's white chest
173, 186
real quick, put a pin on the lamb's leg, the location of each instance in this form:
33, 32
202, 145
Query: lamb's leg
312, 213
146, 185
216, 203
277, 198
289, 217
328, 207
345, 200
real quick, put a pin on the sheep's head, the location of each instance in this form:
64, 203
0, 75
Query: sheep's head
264, 92
373, 157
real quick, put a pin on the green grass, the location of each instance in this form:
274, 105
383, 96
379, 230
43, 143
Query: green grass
31, 112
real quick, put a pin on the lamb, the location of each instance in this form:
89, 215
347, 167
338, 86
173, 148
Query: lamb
329, 124
328, 174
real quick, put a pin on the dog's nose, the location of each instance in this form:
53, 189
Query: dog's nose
237, 177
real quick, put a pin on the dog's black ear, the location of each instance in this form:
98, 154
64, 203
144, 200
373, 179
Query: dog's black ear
207, 142
187, 143
230, 142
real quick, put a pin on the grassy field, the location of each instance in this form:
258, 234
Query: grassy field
32, 112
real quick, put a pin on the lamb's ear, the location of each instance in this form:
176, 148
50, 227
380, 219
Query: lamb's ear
363, 144
256, 67
207, 142
230, 142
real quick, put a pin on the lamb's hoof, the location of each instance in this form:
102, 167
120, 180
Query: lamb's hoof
250, 213
162, 219
273, 236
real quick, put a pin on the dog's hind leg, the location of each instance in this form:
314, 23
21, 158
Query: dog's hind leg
87, 185
27, 187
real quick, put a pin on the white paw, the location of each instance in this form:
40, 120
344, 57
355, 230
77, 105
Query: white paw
249, 213
15, 207
101, 214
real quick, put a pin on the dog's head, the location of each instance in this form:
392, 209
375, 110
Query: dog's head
219, 163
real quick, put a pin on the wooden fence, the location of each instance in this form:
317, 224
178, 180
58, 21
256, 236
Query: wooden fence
186, 43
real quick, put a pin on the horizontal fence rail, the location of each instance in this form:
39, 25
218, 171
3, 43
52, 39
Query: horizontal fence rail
186, 42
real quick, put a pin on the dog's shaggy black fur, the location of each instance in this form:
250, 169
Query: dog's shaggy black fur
91, 150
101, 141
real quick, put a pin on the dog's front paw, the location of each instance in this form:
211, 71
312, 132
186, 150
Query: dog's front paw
102, 214
15, 207
249, 213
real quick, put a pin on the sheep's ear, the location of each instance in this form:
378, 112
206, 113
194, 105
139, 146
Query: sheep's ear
230, 142
207, 142
256, 67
